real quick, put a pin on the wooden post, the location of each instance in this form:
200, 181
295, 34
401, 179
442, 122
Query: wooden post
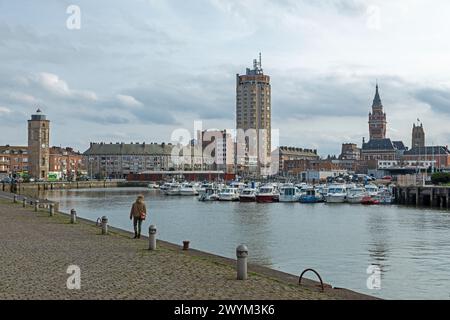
417, 196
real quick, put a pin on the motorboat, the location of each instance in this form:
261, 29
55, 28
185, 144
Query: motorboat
188, 189
209, 194
356, 194
371, 189
248, 195
267, 194
311, 195
174, 190
229, 194
337, 193
289, 193
368, 200
384, 197
153, 185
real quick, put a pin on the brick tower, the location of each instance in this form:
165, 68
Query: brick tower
377, 119
38, 145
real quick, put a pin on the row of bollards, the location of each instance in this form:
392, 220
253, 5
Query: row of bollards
241, 253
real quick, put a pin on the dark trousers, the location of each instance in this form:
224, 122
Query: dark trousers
137, 224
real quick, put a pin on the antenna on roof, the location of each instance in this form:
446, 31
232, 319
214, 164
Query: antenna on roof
260, 65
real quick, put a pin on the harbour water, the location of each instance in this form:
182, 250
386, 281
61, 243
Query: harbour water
410, 245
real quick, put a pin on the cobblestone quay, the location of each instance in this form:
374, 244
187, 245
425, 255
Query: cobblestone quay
37, 249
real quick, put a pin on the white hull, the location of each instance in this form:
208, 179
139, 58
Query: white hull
172, 192
228, 197
335, 198
283, 198
354, 199
188, 192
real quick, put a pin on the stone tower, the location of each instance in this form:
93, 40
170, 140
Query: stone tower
377, 119
38, 145
253, 111
418, 136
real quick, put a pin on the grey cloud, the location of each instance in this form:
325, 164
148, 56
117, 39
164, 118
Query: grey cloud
437, 99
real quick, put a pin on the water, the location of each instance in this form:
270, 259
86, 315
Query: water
340, 241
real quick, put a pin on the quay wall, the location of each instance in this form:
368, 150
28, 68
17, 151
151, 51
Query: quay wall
423, 196
34, 189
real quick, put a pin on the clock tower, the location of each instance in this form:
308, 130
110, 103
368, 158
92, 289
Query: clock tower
38, 145
377, 119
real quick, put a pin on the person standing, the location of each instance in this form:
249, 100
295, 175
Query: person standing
138, 213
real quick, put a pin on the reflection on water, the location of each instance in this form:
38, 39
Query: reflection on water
410, 245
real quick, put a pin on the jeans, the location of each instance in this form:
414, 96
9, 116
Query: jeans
137, 224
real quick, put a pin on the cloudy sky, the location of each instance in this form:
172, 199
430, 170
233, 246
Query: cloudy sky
137, 70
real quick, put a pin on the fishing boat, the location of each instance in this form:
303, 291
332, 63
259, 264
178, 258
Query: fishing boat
289, 193
229, 194
267, 194
248, 195
209, 194
356, 194
337, 193
311, 195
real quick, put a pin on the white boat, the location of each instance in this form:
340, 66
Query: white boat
248, 195
356, 194
174, 190
209, 194
187, 189
229, 194
153, 185
289, 193
384, 197
371, 189
165, 186
267, 193
337, 193
203, 187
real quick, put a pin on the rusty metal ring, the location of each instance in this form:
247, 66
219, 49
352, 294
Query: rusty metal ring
318, 275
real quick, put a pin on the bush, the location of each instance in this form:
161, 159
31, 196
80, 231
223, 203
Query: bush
440, 177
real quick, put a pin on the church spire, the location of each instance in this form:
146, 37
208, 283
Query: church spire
377, 99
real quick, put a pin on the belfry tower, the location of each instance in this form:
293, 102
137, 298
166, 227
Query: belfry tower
418, 136
377, 119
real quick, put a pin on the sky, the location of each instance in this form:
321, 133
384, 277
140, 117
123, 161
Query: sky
138, 70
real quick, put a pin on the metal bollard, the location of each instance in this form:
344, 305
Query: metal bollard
152, 237
15, 199
24, 202
73, 216
36, 205
242, 254
51, 210
186, 245
104, 225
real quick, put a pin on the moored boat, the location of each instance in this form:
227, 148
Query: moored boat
229, 194
289, 193
368, 200
337, 193
248, 195
267, 194
310, 195
209, 194
187, 189
356, 194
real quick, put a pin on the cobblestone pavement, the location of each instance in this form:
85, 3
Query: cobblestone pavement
36, 250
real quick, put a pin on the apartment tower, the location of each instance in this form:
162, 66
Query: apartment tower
253, 111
